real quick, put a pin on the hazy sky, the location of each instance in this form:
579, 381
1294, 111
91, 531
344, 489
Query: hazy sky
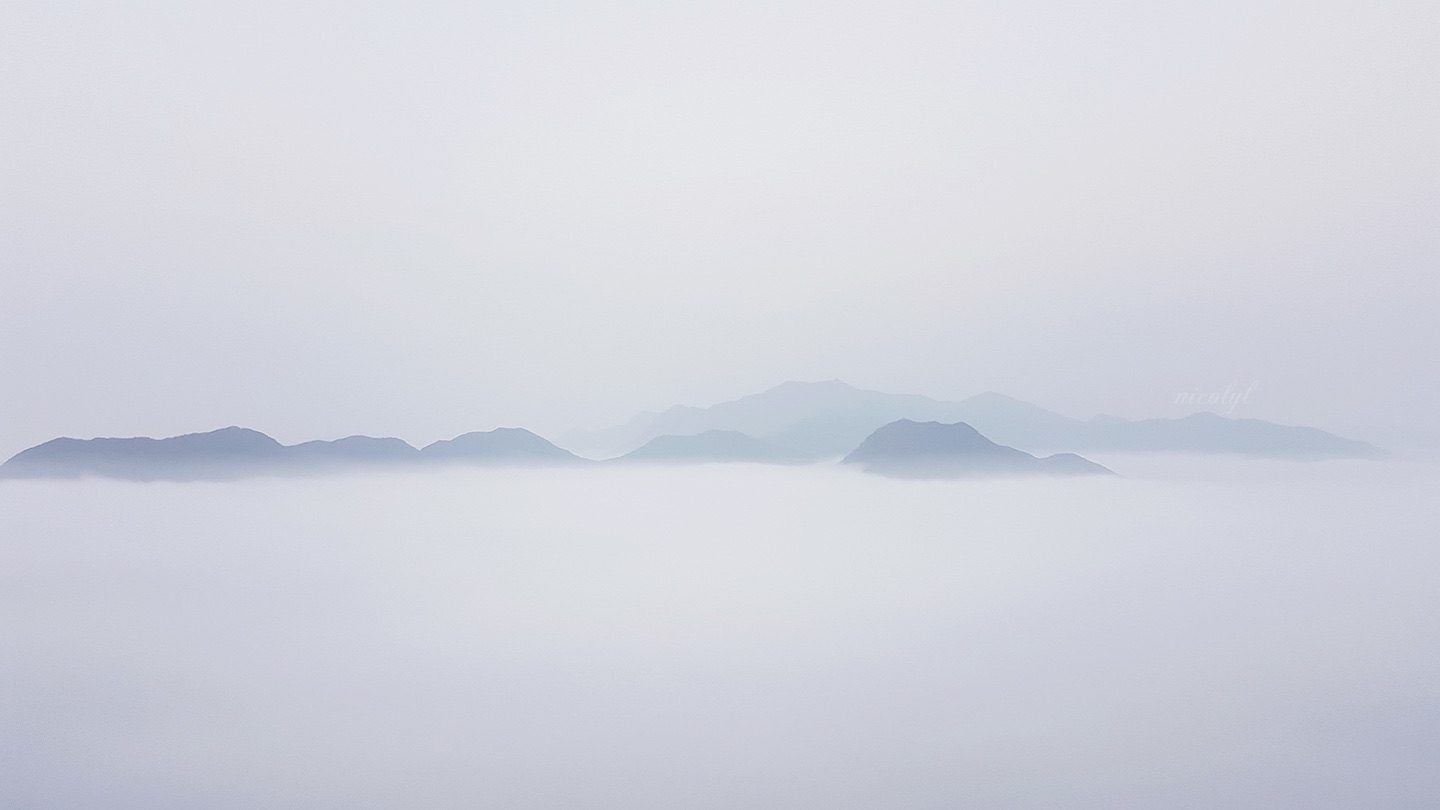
420, 219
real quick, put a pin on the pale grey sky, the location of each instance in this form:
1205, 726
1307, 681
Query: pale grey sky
420, 219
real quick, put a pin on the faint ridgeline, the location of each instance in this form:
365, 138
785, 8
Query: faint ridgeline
831, 418
714, 446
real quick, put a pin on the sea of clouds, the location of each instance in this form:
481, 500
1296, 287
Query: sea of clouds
1196, 633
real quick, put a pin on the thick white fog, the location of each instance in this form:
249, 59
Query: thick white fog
1195, 634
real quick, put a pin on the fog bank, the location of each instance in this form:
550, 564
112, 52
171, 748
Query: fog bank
1237, 634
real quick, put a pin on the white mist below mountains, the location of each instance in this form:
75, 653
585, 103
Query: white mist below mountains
1225, 634
794, 423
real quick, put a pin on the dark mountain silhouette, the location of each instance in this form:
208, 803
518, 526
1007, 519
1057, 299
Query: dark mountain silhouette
906, 449
713, 446
498, 446
830, 418
231, 452
785, 424
235, 452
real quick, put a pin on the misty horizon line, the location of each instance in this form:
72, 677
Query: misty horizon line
1227, 399
790, 423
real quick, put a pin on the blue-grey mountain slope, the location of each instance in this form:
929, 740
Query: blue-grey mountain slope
713, 446
819, 418
231, 452
501, 446
830, 418
907, 449
235, 452
1211, 433
352, 451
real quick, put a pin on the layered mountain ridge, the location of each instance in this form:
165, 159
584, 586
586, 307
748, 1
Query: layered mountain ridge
237, 452
830, 418
791, 423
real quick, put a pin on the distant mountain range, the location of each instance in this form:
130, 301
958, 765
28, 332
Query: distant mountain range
792, 423
902, 448
906, 449
829, 419
236, 452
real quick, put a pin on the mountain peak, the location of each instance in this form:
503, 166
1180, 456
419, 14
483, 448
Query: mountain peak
222, 453
909, 449
505, 444
911, 436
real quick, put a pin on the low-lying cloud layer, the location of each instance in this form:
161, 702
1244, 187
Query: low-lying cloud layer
724, 637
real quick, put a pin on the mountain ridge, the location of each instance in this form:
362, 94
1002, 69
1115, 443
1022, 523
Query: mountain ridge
909, 449
829, 418
235, 452
787, 423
